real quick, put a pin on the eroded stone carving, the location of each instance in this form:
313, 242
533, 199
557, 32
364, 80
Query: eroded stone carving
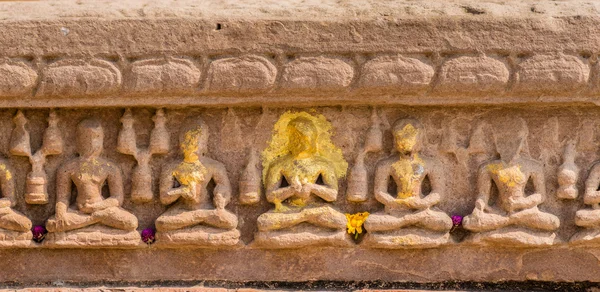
245, 73
589, 216
16, 78
15, 228
396, 72
316, 73
141, 177
475, 74
410, 218
462, 154
515, 218
358, 185
301, 168
250, 183
36, 189
568, 174
165, 75
73, 77
551, 73
194, 219
92, 221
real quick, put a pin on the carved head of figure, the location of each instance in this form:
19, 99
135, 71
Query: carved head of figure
510, 134
408, 136
303, 136
90, 138
193, 139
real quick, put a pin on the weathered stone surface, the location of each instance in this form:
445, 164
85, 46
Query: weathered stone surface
318, 73
166, 76
392, 138
551, 74
246, 73
405, 75
473, 74
16, 79
76, 77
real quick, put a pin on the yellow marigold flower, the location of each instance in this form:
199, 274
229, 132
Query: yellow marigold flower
355, 223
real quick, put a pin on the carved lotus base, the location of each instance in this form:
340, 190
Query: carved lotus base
198, 236
93, 237
10, 239
302, 236
586, 237
406, 238
514, 237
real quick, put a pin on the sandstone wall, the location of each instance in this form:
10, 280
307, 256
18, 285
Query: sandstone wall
502, 97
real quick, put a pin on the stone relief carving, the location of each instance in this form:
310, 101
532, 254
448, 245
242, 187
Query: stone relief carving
14, 226
141, 177
568, 174
464, 74
358, 185
462, 154
36, 190
515, 217
250, 183
92, 220
194, 218
410, 218
589, 216
301, 168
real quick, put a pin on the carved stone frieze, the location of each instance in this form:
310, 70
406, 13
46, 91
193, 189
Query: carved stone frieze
402, 141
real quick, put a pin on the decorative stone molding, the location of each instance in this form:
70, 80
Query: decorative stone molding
293, 141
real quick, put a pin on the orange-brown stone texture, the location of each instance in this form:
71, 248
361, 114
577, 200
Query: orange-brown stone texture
294, 141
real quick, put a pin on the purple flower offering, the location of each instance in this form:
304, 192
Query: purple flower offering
39, 233
456, 220
148, 235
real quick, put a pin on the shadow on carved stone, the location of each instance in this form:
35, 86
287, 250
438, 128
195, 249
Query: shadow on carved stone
301, 168
410, 219
193, 219
36, 188
92, 221
515, 218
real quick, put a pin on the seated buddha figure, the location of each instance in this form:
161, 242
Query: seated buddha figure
589, 218
515, 217
301, 168
15, 228
410, 218
193, 218
92, 220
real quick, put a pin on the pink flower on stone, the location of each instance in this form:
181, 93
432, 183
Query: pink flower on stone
456, 220
39, 233
148, 235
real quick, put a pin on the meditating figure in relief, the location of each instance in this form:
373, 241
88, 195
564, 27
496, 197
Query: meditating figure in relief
194, 218
410, 218
92, 220
515, 217
589, 217
15, 228
301, 168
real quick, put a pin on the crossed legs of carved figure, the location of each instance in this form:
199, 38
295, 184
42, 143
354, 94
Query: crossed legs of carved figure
114, 217
531, 218
426, 219
178, 217
323, 216
11, 220
589, 218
